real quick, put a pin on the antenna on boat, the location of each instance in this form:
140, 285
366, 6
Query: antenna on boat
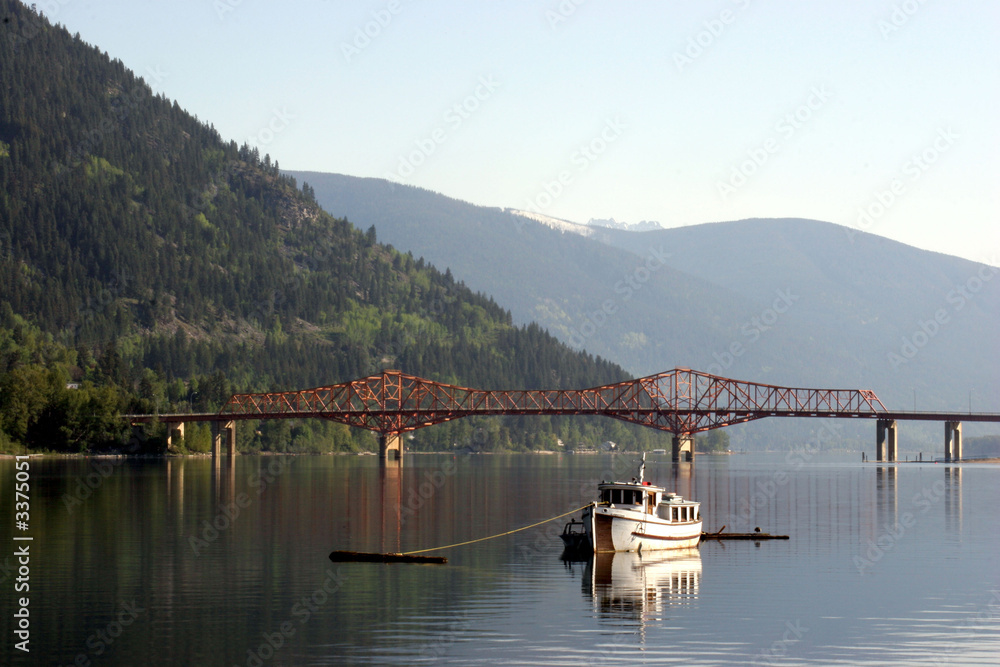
642, 467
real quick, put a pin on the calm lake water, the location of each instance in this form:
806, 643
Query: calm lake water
179, 563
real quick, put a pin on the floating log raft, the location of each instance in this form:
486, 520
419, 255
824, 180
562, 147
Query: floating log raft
362, 557
742, 536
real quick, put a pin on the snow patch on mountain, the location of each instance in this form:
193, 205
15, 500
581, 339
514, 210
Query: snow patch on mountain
611, 223
589, 229
554, 223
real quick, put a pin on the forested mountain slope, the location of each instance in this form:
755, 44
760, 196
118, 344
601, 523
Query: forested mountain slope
147, 258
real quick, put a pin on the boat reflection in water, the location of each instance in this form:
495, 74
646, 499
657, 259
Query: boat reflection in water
641, 587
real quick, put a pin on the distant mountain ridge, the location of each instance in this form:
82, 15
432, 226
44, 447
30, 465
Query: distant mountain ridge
911, 320
591, 295
787, 301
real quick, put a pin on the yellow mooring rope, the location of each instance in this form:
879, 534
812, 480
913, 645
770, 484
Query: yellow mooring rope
491, 537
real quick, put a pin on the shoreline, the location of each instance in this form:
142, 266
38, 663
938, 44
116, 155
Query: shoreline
206, 455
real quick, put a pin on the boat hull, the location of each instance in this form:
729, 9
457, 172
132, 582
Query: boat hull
623, 530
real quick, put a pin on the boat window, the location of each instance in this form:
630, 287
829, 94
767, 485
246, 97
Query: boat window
606, 496
616, 496
675, 513
685, 513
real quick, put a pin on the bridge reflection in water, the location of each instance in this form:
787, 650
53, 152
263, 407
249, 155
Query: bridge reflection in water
953, 499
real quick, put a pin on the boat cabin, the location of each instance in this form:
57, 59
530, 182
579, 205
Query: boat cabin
675, 509
648, 499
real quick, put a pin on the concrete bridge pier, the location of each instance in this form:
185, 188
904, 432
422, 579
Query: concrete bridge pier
175, 432
885, 441
953, 441
682, 448
220, 430
390, 447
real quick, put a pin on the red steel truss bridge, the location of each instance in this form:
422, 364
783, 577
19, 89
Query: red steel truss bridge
681, 401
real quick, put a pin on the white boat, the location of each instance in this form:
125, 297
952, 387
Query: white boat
635, 516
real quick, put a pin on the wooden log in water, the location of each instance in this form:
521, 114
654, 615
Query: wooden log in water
743, 536
363, 557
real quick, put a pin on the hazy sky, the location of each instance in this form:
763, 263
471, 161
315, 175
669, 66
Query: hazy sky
682, 111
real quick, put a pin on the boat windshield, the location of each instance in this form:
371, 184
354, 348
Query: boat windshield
621, 496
